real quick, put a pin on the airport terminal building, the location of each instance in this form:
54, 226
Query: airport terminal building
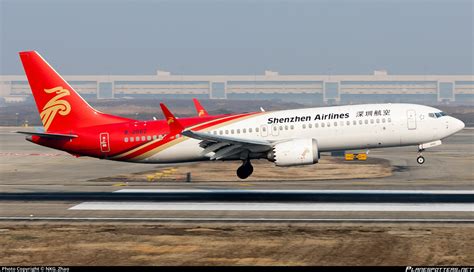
307, 89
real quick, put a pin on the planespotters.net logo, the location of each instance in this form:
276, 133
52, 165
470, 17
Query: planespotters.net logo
438, 269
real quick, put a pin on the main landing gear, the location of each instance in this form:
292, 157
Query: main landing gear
245, 170
420, 159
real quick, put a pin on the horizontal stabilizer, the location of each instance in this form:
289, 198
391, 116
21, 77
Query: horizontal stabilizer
49, 135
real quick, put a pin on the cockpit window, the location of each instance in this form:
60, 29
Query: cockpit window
437, 114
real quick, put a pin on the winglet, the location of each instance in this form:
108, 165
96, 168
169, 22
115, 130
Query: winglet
199, 108
173, 123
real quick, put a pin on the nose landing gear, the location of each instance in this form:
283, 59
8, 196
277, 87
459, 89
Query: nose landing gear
245, 170
420, 159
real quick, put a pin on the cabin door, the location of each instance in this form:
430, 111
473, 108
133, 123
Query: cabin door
411, 119
104, 142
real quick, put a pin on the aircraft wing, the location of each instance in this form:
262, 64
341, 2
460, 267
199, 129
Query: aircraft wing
224, 146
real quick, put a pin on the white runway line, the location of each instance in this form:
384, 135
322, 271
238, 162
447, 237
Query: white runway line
255, 206
470, 192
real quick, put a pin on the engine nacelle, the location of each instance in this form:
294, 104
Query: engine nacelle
295, 152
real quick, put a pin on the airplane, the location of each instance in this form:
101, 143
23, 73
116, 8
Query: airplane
286, 137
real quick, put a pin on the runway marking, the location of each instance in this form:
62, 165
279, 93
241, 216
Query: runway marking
267, 206
469, 192
240, 219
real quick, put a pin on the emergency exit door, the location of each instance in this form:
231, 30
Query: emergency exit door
411, 119
104, 142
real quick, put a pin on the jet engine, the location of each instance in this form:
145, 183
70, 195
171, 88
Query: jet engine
295, 152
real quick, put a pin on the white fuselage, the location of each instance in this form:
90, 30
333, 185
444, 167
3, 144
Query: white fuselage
335, 128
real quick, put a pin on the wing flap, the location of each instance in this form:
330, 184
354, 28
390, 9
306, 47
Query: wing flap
224, 146
219, 138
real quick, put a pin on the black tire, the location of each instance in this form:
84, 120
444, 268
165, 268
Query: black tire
420, 160
245, 170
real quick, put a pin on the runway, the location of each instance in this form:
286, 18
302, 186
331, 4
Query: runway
233, 195
273, 206
246, 205
60, 188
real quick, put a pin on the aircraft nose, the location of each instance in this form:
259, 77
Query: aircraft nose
458, 125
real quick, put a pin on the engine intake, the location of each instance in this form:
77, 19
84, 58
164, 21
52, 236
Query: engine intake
295, 152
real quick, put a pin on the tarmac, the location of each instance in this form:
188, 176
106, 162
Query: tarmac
49, 185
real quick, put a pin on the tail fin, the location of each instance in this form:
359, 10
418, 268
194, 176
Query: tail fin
60, 107
199, 108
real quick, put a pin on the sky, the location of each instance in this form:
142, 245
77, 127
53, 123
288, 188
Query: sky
84, 37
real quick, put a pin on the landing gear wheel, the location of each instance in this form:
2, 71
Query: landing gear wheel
420, 160
245, 170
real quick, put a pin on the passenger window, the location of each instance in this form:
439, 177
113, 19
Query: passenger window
220, 132
137, 138
354, 122
389, 120
143, 138
348, 123
226, 131
360, 122
310, 126
383, 120
431, 115
244, 130
371, 121
275, 128
264, 129
329, 124
292, 127
366, 121
378, 121
126, 139
335, 124
238, 131
131, 139
250, 130
322, 125
148, 138
304, 126
154, 137
316, 125
256, 130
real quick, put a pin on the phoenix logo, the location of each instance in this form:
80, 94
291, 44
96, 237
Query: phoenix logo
170, 120
55, 105
201, 113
